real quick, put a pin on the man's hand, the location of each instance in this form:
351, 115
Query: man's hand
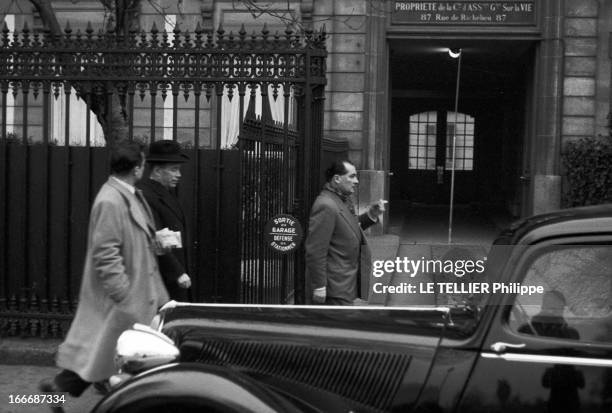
319, 295
377, 209
359, 302
184, 281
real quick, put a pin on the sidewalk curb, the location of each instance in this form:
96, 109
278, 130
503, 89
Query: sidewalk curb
30, 351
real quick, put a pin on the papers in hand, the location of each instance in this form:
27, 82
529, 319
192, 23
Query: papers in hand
168, 238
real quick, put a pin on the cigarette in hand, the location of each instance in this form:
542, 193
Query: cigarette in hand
381, 204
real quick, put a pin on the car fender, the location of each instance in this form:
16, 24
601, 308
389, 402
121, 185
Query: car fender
193, 385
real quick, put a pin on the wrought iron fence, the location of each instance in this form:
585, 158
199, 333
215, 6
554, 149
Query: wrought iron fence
152, 85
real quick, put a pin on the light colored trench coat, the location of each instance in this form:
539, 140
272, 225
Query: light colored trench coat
121, 283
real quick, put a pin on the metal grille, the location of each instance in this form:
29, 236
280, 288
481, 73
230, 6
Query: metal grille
367, 377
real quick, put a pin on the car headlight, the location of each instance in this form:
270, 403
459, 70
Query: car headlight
142, 348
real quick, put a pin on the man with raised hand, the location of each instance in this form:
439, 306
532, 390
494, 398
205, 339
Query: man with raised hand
336, 240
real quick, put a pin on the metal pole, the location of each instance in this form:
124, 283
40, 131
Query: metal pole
452, 188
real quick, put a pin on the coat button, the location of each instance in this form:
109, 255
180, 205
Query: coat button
152, 302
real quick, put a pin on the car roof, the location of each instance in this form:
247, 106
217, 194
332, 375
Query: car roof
591, 219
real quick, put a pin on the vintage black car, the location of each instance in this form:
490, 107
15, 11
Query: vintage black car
506, 352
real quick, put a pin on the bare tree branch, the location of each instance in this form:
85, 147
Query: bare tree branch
162, 11
47, 14
108, 4
287, 16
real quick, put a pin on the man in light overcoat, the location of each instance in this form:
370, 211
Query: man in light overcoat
121, 283
336, 243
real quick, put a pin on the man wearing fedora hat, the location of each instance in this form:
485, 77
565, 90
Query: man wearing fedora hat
165, 159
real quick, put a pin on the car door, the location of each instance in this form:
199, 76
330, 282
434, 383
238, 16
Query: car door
551, 351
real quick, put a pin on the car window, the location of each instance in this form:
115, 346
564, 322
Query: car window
576, 302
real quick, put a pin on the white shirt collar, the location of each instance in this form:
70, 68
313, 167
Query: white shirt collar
125, 185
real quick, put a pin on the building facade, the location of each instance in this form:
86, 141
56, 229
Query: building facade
532, 75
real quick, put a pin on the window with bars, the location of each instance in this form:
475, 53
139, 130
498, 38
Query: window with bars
422, 141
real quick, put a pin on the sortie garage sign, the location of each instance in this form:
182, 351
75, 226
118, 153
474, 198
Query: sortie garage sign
488, 12
283, 233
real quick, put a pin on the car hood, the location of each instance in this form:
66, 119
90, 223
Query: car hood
364, 356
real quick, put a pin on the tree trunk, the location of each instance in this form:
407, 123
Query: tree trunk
47, 15
109, 109
116, 123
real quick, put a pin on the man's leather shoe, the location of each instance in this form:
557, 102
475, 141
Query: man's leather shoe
49, 386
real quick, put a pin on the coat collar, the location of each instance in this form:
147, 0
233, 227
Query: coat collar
165, 196
139, 212
345, 213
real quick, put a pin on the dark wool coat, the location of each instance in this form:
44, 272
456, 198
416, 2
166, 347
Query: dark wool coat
337, 252
121, 283
169, 214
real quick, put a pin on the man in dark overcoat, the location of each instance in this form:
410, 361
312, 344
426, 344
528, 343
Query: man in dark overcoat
165, 159
336, 243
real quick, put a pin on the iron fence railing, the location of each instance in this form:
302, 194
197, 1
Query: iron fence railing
140, 86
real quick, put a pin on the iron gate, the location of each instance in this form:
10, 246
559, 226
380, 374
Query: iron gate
47, 181
268, 159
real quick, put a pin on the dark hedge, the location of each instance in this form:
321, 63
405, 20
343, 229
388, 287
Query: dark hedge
588, 171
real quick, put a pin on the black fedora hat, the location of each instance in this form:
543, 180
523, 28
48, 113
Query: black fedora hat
166, 151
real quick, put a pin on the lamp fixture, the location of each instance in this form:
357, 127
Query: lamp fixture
454, 52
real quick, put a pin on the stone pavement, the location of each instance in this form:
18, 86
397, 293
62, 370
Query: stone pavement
383, 247
29, 350
423, 233
23, 380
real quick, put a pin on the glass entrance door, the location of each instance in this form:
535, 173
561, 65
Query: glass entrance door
430, 136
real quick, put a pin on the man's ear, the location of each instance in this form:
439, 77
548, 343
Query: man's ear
136, 168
